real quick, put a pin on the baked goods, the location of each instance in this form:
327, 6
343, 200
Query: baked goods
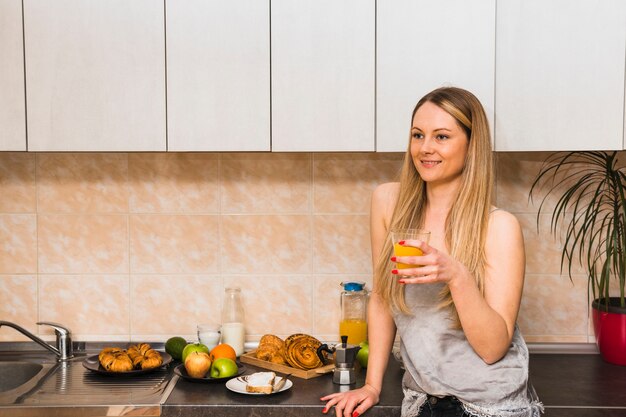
260, 382
301, 351
272, 349
140, 356
115, 360
144, 357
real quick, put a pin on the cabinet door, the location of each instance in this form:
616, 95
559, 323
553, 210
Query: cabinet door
426, 44
218, 75
323, 75
12, 108
95, 75
560, 74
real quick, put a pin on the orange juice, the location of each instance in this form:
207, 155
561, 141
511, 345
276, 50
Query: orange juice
355, 329
400, 250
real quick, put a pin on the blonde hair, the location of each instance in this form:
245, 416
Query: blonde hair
466, 223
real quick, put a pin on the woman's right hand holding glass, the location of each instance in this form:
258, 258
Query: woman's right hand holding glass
352, 403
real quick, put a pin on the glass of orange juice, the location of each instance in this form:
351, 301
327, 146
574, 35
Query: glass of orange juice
407, 234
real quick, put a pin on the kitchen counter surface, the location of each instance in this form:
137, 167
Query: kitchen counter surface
572, 385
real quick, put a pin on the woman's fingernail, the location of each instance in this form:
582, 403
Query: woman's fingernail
394, 271
401, 242
401, 281
325, 410
355, 414
393, 259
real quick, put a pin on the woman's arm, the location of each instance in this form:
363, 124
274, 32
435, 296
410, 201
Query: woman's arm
380, 328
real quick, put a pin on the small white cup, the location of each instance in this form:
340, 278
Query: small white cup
209, 334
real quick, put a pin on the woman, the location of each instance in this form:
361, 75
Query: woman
456, 312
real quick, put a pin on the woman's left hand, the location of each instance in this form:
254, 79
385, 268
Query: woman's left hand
432, 266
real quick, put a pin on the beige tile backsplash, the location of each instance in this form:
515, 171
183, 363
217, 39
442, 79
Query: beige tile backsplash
140, 246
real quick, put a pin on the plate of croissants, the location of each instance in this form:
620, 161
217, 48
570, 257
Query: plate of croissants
137, 359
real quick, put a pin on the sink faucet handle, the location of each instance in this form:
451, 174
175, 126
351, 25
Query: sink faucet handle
58, 328
64, 339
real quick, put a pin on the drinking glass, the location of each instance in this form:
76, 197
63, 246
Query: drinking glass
408, 234
209, 334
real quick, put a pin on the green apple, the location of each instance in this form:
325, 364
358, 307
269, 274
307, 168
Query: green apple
223, 368
194, 347
363, 354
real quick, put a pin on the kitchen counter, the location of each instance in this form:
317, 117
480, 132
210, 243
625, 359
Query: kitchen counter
572, 385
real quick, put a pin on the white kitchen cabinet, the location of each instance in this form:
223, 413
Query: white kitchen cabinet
426, 44
560, 75
12, 105
95, 75
323, 75
218, 75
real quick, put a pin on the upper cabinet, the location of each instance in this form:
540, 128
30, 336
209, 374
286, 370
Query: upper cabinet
323, 75
95, 75
423, 45
560, 75
12, 107
218, 75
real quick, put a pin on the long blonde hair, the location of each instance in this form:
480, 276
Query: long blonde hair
467, 221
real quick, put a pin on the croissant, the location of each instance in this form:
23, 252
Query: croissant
301, 351
272, 349
115, 360
144, 357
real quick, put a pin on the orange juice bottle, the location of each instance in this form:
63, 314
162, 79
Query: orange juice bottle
353, 321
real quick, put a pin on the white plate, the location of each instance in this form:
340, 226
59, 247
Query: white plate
236, 385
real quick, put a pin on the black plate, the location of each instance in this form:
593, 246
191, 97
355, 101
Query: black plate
93, 364
182, 372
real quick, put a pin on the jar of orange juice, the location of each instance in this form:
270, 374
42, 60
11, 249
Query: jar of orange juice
353, 312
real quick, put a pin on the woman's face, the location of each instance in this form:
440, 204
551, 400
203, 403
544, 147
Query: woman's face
438, 145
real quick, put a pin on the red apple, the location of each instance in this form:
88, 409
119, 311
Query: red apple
198, 364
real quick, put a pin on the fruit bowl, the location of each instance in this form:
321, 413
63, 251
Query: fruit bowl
182, 372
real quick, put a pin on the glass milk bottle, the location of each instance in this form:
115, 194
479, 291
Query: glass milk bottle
233, 319
353, 312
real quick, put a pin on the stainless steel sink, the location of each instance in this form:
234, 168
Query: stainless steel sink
14, 374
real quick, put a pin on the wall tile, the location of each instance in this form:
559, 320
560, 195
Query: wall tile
173, 305
554, 306
82, 183
83, 243
341, 244
326, 298
173, 183
543, 251
18, 243
515, 175
18, 304
266, 183
174, 244
266, 244
92, 306
343, 183
281, 305
17, 183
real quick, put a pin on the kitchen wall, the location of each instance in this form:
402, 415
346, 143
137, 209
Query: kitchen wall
140, 246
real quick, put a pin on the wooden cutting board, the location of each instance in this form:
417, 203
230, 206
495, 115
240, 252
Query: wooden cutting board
250, 358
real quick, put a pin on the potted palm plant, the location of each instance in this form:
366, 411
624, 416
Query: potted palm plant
590, 215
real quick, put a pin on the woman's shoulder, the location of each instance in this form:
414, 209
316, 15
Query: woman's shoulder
503, 224
388, 190
384, 200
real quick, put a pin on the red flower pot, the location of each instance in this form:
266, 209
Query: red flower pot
610, 329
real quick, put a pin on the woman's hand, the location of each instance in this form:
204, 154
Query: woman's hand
432, 266
352, 403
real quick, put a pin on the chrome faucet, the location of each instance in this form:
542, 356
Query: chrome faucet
63, 350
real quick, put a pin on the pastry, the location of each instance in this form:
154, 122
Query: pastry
144, 357
115, 360
301, 351
272, 349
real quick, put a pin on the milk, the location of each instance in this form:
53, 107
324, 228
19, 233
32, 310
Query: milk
209, 335
234, 334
